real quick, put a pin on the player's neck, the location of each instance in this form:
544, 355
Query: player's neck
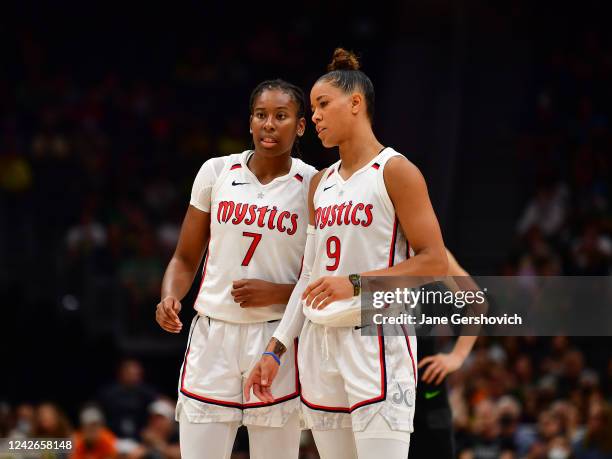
266, 168
358, 151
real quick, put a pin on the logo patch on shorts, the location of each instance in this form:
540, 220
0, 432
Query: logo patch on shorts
405, 397
431, 394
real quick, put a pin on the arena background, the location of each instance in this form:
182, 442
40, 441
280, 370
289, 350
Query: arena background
106, 115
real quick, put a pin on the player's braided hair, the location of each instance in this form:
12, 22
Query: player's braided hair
294, 92
343, 72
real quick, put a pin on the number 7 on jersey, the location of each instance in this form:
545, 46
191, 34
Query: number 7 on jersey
256, 238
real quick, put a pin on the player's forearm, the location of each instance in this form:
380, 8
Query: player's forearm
464, 345
178, 278
281, 293
276, 346
428, 262
293, 318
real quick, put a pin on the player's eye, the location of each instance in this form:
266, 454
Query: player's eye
323, 103
281, 116
260, 115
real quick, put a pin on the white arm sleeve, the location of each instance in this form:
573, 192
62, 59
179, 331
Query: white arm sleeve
204, 182
293, 318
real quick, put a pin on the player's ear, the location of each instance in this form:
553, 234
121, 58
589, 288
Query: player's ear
301, 127
356, 103
251, 124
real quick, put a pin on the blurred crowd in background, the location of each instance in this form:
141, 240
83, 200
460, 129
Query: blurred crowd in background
564, 153
127, 418
95, 173
552, 397
534, 398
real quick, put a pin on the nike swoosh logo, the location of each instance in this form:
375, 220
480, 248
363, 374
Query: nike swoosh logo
327, 188
234, 183
433, 394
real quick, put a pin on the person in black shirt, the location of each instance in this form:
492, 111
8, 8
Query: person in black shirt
125, 402
433, 428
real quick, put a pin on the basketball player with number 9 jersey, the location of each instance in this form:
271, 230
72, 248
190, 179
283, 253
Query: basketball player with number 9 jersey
358, 390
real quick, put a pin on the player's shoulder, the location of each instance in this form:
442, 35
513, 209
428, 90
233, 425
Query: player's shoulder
216, 164
232, 159
389, 155
306, 173
401, 176
305, 170
397, 164
317, 177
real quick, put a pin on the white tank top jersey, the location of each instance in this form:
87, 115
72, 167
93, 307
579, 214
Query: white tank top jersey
356, 230
256, 232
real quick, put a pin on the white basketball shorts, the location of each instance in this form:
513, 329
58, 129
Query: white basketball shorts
217, 361
347, 378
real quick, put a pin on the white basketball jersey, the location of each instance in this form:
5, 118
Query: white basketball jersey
356, 230
256, 232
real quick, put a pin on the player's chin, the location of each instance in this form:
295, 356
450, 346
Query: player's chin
328, 143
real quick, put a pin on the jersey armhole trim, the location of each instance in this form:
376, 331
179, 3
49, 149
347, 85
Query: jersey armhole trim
230, 165
380, 180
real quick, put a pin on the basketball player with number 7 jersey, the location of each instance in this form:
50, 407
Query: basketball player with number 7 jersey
249, 211
370, 215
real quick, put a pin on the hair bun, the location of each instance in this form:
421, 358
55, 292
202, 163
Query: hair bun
343, 60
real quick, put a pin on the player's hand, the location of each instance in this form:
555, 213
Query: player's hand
260, 379
326, 289
254, 293
439, 366
166, 314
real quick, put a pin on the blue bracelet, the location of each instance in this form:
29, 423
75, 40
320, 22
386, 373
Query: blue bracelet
273, 355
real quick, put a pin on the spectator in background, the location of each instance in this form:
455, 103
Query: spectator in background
608, 384
591, 252
86, 246
523, 370
559, 448
141, 272
50, 422
24, 421
5, 411
85, 237
125, 402
486, 441
549, 428
570, 419
160, 436
597, 441
546, 211
573, 366
509, 412
93, 440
